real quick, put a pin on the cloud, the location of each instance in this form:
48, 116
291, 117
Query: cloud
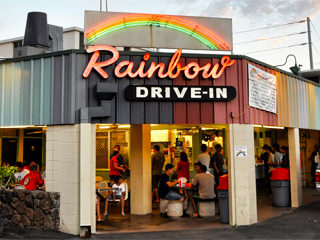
263, 10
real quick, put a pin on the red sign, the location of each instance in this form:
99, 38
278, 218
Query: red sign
125, 68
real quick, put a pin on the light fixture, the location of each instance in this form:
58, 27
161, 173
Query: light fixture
266, 126
275, 127
295, 69
22, 126
123, 126
104, 127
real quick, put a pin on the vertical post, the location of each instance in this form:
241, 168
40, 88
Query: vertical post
87, 176
242, 180
100, 5
310, 43
140, 175
106, 5
295, 167
20, 147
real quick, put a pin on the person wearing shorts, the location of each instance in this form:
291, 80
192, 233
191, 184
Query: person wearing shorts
118, 193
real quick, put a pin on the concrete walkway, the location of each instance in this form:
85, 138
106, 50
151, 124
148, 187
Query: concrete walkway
302, 223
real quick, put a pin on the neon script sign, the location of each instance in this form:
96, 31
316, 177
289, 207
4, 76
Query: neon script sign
125, 68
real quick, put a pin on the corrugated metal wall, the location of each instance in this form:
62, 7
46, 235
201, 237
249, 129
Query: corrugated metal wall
39, 91
51, 90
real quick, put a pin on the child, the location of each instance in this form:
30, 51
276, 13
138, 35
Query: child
119, 193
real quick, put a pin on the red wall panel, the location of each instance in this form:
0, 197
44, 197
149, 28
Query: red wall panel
235, 111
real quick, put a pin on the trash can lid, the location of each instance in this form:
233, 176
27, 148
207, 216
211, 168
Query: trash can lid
223, 182
280, 174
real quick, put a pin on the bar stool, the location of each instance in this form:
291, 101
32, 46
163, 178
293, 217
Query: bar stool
207, 208
163, 206
175, 209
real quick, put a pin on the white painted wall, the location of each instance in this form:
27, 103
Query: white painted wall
6, 50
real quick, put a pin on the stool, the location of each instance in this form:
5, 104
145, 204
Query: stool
207, 209
175, 209
163, 206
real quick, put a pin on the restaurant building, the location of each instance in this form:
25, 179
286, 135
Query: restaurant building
74, 105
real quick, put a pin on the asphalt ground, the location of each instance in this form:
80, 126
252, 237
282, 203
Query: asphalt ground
302, 223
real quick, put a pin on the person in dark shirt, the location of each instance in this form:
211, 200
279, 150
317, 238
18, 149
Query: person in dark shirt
285, 159
217, 163
265, 157
165, 186
314, 164
158, 160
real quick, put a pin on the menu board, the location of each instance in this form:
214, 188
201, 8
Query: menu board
262, 89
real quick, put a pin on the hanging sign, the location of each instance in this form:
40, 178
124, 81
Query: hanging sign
262, 89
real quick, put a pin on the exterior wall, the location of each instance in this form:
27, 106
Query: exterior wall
63, 173
49, 89
6, 50
71, 40
242, 181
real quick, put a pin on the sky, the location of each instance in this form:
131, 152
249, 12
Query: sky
245, 14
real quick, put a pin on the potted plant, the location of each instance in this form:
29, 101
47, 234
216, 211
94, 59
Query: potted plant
7, 178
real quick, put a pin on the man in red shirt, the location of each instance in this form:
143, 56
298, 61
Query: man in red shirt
114, 166
32, 180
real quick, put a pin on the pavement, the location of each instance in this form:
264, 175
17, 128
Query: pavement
302, 223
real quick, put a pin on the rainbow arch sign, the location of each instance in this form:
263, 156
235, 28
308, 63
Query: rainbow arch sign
157, 31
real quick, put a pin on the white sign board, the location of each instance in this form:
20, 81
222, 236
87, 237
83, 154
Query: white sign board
262, 89
157, 31
241, 151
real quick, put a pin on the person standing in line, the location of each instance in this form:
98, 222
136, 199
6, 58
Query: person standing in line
115, 169
158, 160
285, 160
277, 155
314, 164
204, 157
217, 163
183, 166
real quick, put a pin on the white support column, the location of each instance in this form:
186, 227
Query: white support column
295, 167
63, 173
70, 168
242, 181
87, 176
140, 173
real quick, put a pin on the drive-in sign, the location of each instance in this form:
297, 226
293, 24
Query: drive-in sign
180, 93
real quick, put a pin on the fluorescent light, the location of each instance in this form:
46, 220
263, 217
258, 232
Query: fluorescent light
275, 127
123, 126
257, 125
104, 127
22, 126
204, 128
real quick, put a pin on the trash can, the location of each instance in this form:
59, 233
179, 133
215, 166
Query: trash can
223, 196
280, 187
1, 223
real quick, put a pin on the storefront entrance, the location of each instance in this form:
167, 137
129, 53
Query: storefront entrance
172, 140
